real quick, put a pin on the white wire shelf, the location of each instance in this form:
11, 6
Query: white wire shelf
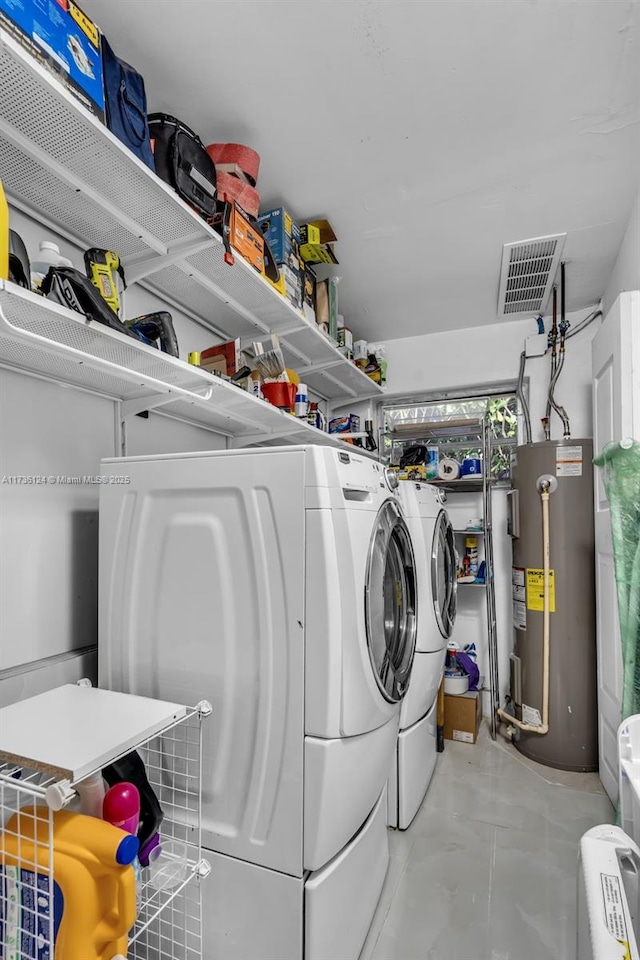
72, 732
45, 338
472, 485
62, 166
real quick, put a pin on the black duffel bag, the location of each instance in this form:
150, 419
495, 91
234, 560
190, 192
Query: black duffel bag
182, 161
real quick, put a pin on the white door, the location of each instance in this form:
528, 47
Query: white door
616, 415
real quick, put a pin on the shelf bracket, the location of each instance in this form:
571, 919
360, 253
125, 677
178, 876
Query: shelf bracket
130, 408
140, 269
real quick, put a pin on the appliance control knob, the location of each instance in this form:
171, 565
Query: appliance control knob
392, 479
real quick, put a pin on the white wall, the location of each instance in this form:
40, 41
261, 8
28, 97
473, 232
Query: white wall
477, 357
49, 532
472, 360
626, 272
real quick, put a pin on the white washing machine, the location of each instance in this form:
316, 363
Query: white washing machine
434, 546
279, 584
609, 867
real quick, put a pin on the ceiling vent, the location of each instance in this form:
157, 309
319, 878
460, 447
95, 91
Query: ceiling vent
528, 271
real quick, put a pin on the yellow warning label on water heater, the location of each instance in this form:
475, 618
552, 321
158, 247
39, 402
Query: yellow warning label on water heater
535, 590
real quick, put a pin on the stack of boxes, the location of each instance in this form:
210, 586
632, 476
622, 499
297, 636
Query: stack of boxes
283, 237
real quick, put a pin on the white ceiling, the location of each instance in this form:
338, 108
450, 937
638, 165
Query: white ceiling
430, 133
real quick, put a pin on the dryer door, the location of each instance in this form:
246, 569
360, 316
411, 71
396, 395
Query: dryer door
390, 602
444, 584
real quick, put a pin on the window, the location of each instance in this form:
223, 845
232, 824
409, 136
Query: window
500, 411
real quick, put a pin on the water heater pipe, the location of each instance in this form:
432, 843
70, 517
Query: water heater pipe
542, 728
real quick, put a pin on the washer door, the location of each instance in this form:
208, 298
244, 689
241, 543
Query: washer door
390, 602
444, 583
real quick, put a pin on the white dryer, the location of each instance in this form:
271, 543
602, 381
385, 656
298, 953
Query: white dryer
279, 584
434, 547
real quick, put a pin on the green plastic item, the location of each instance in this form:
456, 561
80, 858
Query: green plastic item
621, 465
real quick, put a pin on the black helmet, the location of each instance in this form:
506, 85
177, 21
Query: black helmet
19, 266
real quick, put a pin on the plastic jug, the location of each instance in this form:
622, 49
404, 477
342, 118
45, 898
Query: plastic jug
4, 236
48, 256
94, 891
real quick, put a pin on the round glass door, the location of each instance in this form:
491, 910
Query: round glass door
390, 602
444, 584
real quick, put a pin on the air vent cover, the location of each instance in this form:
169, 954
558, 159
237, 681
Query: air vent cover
528, 270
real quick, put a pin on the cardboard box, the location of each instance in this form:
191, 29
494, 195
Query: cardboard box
332, 287
223, 357
462, 716
309, 294
316, 239
322, 303
289, 286
283, 236
350, 423
327, 305
246, 239
59, 36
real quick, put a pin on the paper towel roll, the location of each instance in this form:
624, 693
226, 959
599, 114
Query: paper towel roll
448, 469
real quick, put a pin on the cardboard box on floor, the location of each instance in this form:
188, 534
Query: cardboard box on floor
462, 716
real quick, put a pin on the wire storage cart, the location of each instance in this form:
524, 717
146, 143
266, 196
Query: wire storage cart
65, 889
456, 435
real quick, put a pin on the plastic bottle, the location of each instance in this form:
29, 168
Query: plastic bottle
93, 898
302, 401
91, 792
4, 236
121, 807
48, 256
471, 552
131, 768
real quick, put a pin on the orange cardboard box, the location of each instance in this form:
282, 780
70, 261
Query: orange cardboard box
246, 239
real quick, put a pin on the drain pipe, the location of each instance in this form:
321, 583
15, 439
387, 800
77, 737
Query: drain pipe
546, 485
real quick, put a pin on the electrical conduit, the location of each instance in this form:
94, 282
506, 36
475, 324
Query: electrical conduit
543, 727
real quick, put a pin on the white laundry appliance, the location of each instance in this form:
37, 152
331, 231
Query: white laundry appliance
279, 584
434, 547
609, 867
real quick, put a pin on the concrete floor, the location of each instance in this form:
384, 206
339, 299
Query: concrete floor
487, 870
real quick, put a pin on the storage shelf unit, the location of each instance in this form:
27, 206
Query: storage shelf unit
473, 485
42, 337
52, 742
466, 433
61, 165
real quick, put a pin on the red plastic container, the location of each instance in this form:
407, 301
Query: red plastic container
281, 395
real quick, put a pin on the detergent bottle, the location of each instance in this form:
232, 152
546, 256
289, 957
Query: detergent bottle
93, 890
4, 236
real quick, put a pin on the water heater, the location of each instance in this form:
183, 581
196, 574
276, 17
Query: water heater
571, 741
